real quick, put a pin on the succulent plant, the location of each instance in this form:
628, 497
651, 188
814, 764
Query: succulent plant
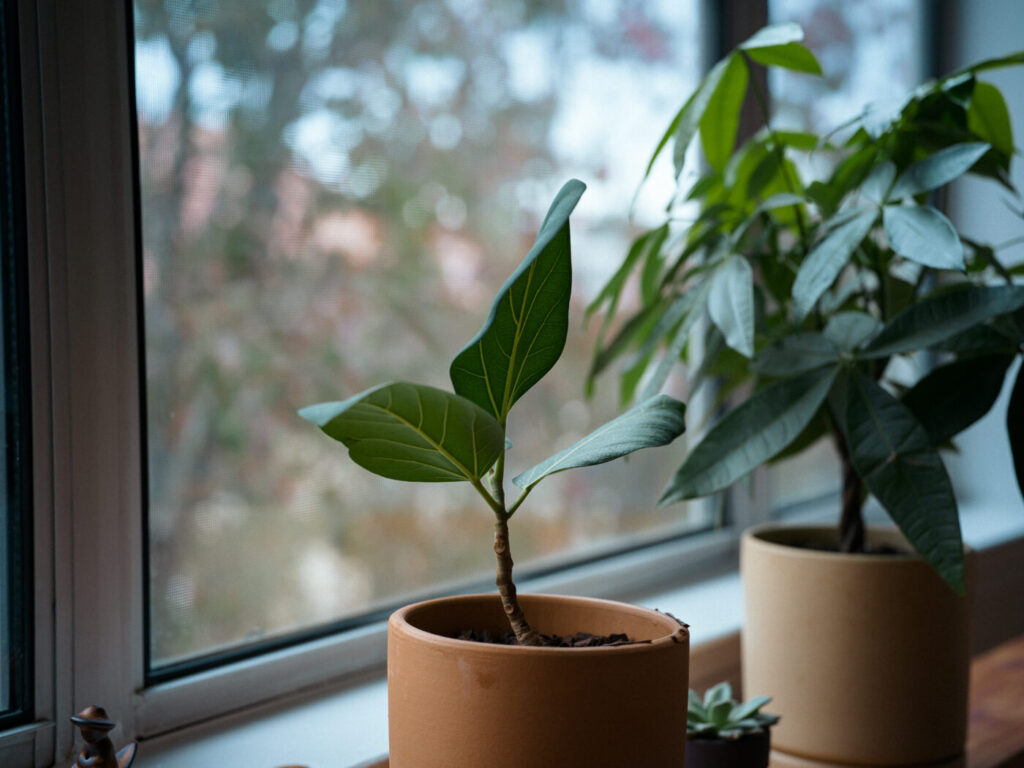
720, 716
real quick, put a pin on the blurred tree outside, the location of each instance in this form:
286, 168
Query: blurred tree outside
332, 192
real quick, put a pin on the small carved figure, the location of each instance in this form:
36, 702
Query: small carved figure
98, 750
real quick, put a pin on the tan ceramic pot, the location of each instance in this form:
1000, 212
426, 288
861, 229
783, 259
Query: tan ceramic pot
865, 656
460, 704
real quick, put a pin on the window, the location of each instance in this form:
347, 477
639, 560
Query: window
331, 194
15, 500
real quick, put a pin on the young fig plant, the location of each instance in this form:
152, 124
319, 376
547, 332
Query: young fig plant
413, 432
719, 716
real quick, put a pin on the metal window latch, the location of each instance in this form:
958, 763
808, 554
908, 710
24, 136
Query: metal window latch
98, 750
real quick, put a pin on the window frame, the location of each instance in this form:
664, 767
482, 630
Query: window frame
18, 602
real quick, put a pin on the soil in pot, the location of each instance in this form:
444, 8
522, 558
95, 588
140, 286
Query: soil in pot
576, 640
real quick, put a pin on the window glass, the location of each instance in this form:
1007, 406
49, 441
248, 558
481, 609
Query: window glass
332, 193
871, 52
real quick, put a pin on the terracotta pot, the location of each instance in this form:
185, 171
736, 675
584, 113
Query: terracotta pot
749, 752
459, 704
865, 656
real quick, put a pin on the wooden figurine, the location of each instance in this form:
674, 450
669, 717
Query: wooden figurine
98, 750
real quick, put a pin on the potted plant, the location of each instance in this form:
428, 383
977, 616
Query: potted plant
806, 293
537, 701
724, 733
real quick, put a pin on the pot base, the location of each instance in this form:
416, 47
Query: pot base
783, 760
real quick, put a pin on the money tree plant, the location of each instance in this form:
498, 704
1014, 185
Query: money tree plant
415, 432
810, 289
719, 716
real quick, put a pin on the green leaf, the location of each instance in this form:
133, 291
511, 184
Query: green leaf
612, 290
798, 139
721, 119
654, 422
796, 353
773, 35
924, 235
938, 169
749, 435
653, 262
824, 263
525, 332
695, 707
695, 301
937, 318
789, 56
719, 713
748, 708
1015, 427
1011, 60
413, 432
731, 303
954, 396
894, 457
637, 327
691, 116
989, 118
717, 694
849, 330
876, 186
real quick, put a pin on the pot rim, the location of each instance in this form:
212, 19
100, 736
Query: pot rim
676, 632
760, 536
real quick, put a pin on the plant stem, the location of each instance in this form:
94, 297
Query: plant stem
525, 634
851, 522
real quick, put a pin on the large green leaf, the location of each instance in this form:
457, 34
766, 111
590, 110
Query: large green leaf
989, 118
898, 463
731, 303
654, 422
953, 396
413, 432
824, 263
1015, 427
525, 333
691, 115
796, 353
924, 235
935, 319
788, 55
750, 434
721, 119
849, 330
938, 169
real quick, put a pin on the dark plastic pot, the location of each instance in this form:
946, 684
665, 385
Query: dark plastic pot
747, 752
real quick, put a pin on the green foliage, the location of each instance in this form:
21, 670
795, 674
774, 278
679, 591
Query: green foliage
816, 284
719, 716
525, 333
412, 432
